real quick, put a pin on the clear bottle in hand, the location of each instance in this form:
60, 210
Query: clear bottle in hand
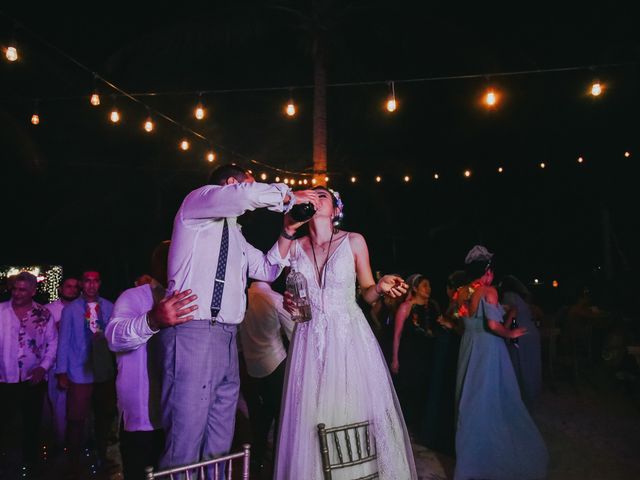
513, 326
297, 287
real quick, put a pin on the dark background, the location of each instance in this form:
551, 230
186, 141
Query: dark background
79, 191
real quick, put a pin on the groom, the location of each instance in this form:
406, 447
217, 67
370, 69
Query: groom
210, 256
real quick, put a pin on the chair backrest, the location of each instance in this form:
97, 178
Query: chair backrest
197, 470
343, 437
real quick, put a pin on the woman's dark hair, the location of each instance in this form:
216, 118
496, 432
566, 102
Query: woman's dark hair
220, 175
477, 268
456, 279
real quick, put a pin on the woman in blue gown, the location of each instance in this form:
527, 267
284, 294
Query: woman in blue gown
496, 437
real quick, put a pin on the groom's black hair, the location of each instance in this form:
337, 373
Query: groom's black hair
220, 175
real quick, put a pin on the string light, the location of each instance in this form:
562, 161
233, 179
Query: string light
305, 182
277, 179
114, 116
263, 176
184, 145
211, 156
407, 178
627, 154
95, 96
543, 165
555, 284
500, 170
199, 111
580, 159
436, 176
299, 182
326, 179
353, 179
378, 179
467, 173
313, 181
286, 181
392, 105
35, 118
596, 88
490, 98
11, 53
148, 125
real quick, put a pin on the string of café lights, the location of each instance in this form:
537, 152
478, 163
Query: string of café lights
491, 99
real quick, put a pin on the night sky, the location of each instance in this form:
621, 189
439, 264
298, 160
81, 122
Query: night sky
79, 191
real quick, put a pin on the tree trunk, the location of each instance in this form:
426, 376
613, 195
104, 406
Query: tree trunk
319, 109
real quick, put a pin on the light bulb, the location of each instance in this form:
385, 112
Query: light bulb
467, 173
314, 181
436, 176
148, 125
184, 145
491, 98
500, 170
95, 99
596, 89
277, 179
326, 179
199, 112
11, 53
580, 159
353, 179
407, 178
627, 154
305, 182
392, 105
35, 119
114, 116
543, 165
263, 176
286, 180
291, 109
211, 156
378, 179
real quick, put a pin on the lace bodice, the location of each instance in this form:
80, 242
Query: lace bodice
337, 294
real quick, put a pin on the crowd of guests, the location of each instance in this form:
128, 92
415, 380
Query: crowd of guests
133, 372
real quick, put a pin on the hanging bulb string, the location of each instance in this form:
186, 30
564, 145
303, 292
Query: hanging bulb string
134, 95
157, 113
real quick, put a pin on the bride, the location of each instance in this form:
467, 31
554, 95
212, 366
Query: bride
336, 373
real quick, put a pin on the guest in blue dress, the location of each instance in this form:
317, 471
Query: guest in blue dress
525, 355
496, 437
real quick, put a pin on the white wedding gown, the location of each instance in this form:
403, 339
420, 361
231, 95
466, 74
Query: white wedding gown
336, 374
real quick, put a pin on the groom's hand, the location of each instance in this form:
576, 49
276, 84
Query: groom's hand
172, 310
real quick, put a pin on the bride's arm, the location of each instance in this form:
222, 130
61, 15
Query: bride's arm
391, 285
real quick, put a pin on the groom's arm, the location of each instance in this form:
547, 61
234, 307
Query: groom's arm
228, 201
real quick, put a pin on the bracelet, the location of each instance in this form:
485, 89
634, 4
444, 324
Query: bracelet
287, 236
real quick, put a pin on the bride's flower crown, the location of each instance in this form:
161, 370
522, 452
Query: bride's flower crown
337, 220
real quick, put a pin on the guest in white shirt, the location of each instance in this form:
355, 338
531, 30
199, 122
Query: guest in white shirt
56, 405
28, 342
200, 383
265, 324
137, 316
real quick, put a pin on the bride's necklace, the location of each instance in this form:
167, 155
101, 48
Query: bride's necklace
321, 271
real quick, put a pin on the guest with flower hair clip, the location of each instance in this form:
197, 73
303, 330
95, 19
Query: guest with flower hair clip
496, 437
